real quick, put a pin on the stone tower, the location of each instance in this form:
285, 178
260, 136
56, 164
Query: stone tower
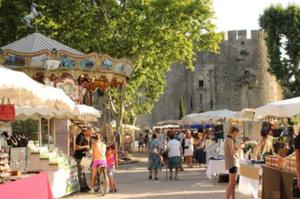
235, 78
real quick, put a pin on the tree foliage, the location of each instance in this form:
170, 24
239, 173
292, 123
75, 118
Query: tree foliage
283, 40
154, 34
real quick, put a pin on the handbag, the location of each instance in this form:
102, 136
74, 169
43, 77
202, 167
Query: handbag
86, 162
295, 189
7, 111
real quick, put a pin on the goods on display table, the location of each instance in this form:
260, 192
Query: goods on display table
284, 171
61, 169
4, 167
287, 163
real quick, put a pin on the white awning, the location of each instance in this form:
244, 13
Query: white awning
24, 91
86, 113
197, 118
81, 112
285, 108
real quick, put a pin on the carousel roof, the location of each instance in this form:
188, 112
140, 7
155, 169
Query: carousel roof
36, 42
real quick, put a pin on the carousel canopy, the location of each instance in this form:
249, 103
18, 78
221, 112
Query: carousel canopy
37, 42
285, 108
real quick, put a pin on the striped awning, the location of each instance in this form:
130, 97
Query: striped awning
36, 42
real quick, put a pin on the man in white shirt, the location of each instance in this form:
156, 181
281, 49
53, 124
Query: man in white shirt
174, 152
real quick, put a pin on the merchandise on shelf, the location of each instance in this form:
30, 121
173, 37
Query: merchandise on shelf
288, 163
4, 166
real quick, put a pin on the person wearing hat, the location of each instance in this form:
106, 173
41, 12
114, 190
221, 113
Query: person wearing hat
82, 147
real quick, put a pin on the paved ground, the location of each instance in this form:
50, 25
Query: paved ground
132, 183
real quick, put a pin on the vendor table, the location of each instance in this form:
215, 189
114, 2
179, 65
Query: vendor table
249, 179
277, 183
215, 167
33, 187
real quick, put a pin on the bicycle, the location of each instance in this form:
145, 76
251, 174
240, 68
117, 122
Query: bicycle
101, 180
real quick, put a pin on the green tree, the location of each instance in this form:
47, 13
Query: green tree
181, 108
282, 26
154, 34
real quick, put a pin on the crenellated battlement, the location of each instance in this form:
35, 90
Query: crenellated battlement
236, 35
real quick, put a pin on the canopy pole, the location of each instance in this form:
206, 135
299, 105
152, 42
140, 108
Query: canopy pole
40, 131
48, 131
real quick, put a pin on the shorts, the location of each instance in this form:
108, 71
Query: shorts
233, 170
97, 163
110, 171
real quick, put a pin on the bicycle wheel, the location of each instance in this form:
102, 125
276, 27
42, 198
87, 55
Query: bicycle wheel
102, 181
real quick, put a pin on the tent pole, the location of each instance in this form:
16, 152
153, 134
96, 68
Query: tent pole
49, 132
40, 131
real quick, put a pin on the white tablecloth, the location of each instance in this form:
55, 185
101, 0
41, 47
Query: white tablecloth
249, 180
215, 167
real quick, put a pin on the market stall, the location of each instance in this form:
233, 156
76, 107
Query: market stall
280, 168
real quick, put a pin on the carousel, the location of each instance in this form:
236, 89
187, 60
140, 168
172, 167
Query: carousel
55, 64
81, 76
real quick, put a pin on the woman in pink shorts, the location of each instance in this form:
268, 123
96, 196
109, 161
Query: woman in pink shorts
99, 159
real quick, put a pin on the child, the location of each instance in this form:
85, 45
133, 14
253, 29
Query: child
111, 158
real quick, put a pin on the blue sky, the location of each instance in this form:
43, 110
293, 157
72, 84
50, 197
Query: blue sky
242, 14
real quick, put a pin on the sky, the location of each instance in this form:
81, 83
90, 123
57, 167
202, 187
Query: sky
242, 14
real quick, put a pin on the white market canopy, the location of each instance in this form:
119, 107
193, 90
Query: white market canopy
166, 126
24, 91
125, 126
86, 113
211, 116
80, 112
285, 109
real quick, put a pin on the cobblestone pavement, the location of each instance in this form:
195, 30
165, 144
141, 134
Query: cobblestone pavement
133, 183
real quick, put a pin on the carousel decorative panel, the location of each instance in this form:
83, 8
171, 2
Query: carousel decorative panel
87, 63
107, 64
15, 60
119, 68
67, 62
38, 61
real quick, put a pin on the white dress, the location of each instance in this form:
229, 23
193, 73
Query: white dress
188, 147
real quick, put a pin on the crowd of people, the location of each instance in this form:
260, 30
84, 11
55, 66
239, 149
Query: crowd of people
174, 148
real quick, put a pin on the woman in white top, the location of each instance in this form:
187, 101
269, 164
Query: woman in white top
174, 153
189, 149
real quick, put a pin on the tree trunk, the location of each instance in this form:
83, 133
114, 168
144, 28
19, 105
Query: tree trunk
120, 118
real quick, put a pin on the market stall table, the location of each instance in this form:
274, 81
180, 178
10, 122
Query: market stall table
33, 187
277, 183
249, 179
215, 168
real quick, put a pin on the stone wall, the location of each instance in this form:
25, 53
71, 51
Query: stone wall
235, 78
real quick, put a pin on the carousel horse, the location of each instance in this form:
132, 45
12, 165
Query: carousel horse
32, 15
